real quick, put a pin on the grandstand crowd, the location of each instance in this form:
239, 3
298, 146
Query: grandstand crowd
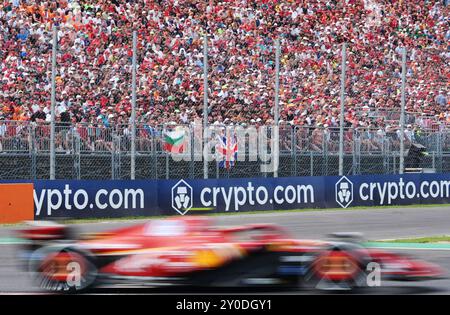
93, 82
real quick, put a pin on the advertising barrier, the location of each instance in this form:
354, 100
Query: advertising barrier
124, 198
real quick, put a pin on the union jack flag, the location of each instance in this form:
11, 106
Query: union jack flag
227, 149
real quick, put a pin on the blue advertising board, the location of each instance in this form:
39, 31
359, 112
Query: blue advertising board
124, 198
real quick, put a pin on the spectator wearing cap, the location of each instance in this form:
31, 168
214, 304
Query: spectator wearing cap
94, 67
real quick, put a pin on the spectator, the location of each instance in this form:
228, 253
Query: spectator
94, 59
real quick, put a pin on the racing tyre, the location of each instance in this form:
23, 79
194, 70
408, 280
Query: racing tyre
335, 270
64, 270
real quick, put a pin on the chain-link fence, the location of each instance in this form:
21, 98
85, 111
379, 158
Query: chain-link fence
92, 151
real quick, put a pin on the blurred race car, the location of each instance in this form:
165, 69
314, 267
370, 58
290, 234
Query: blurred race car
190, 251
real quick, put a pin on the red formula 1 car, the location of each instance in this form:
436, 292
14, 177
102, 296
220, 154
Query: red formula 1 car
191, 251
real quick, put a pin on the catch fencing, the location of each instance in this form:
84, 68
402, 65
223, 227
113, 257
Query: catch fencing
99, 151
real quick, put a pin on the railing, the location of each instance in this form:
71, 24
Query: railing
90, 151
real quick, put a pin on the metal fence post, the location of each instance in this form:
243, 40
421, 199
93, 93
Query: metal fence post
166, 155
276, 114
155, 158
356, 154
113, 154
439, 151
384, 154
294, 149
52, 110
167, 166
133, 110
341, 122
77, 155
33, 151
191, 144
325, 154
205, 103
402, 115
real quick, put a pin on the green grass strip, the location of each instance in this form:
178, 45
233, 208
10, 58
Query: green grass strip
426, 239
418, 246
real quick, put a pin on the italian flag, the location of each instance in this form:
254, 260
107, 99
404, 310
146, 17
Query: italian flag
174, 140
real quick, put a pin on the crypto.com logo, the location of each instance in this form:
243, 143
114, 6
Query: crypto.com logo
344, 192
182, 197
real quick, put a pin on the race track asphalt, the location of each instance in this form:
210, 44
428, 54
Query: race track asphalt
376, 224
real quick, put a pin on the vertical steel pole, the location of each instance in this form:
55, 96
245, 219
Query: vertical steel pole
167, 166
32, 135
276, 113
133, 109
402, 116
191, 144
341, 122
52, 110
205, 104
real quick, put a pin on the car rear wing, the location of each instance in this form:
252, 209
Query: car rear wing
266, 229
45, 231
